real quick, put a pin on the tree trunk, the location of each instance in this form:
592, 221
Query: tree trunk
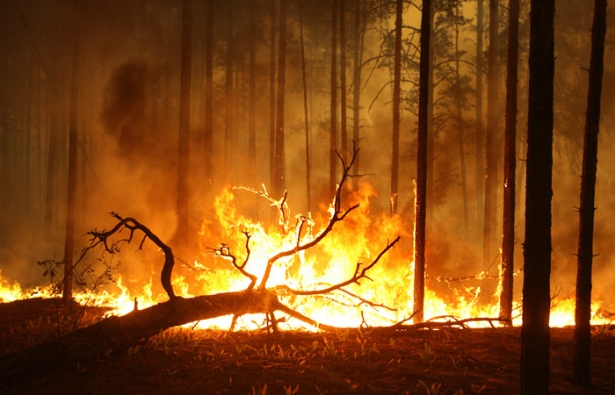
115, 335
344, 118
510, 162
491, 168
582, 333
431, 130
480, 135
73, 137
333, 135
356, 98
272, 100
183, 151
460, 121
209, 92
229, 111
252, 169
308, 165
399, 8
535, 333
421, 167
278, 187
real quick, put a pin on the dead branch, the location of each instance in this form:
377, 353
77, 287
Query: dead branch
338, 215
358, 275
132, 225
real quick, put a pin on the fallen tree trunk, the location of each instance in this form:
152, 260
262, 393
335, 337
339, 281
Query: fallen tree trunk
115, 335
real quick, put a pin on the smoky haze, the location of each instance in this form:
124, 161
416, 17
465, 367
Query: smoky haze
128, 123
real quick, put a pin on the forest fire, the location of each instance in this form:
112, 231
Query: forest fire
381, 300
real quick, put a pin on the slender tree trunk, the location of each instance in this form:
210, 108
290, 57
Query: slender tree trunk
73, 138
279, 130
333, 136
421, 167
209, 92
229, 113
480, 134
272, 98
252, 163
343, 106
356, 106
491, 168
582, 333
460, 121
399, 8
183, 152
308, 164
535, 332
510, 163
431, 130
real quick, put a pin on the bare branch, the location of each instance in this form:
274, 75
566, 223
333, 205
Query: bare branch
358, 275
338, 215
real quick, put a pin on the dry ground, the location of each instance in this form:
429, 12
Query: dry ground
184, 361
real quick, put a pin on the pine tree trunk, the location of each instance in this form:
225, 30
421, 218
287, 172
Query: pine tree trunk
480, 135
510, 162
333, 137
344, 118
308, 164
73, 137
272, 99
582, 333
356, 98
278, 187
421, 168
229, 107
491, 168
183, 151
209, 93
535, 332
399, 7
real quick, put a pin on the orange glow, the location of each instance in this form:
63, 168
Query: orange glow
360, 237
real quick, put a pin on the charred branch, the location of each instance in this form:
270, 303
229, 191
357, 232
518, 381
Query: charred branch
104, 238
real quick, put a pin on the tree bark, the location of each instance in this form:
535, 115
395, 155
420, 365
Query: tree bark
399, 8
535, 332
279, 185
308, 164
333, 135
115, 335
421, 167
343, 93
480, 134
491, 167
582, 333
73, 137
510, 162
183, 146
209, 92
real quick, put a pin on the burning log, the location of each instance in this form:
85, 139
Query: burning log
115, 335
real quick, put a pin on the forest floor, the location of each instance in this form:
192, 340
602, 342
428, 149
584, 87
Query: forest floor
185, 361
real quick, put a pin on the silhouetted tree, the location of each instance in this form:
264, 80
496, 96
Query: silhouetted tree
491, 163
333, 131
535, 332
73, 137
421, 166
399, 8
582, 333
278, 186
510, 159
183, 152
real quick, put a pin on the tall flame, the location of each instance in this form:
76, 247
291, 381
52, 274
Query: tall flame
383, 299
